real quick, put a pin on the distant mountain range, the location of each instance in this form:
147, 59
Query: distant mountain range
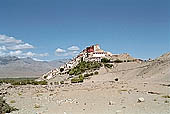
12, 66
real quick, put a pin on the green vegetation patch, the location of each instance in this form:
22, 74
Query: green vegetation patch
12, 101
22, 81
83, 66
77, 79
105, 60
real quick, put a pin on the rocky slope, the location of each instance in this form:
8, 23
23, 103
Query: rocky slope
158, 68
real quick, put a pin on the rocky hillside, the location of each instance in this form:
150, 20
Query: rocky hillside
159, 66
12, 66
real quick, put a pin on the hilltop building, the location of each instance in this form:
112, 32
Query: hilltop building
91, 53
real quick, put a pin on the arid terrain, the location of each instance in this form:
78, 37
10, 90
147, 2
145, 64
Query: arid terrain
128, 88
84, 56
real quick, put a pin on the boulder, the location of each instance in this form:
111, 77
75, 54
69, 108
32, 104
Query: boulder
119, 112
111, 103
141, 99
116, 79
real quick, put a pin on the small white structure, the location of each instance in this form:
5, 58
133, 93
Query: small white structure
99, 54
69, 65
49, 76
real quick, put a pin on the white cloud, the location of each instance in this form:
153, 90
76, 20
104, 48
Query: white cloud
14, 47
75, 52
3, 48
61, 54
43, 54
21, 46
74, 48
2, 53
6, 39
59, 50
12, 43
15, 53
71, 51
35, 59
31, 54
21, 54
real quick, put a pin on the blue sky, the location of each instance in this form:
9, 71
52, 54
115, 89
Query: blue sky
138, 27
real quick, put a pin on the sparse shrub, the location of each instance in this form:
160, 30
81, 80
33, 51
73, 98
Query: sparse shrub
108, 65
74, 80
12, 101
118, 61
123, 90
39, 82
42, 82
71, 72
166, 96
96, 73
166, 101
105, 60
34, 83
1, 81
61, 82
86, 75
77, 79
38, 95
56, 83
81, 78
19, 94
130, 60
15, 83
36, 106
154, 100
4, 107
